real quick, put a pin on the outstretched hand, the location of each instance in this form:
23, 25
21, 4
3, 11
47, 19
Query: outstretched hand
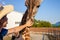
29, 23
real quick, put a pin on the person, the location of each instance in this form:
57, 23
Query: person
4, 10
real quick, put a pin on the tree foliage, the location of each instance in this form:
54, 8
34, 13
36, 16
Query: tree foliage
38, 23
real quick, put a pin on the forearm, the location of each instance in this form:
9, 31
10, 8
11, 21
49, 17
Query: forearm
19, 28
16, 29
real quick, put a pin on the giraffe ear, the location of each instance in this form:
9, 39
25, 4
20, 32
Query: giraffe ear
1, 7
27, 3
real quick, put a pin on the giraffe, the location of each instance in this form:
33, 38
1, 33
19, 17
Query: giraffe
32, 6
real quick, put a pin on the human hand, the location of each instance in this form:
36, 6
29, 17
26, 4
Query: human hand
29, 23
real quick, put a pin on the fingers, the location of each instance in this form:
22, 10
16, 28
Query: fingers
29, 22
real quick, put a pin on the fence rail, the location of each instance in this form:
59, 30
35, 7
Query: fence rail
42, 34
51, 33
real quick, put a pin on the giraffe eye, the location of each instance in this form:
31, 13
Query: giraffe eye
38, 6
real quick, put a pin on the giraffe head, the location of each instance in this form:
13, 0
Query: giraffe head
32, 6
37, 4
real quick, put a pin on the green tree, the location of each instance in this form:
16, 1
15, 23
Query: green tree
38, 23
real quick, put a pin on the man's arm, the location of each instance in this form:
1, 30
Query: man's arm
19, 28
16, 29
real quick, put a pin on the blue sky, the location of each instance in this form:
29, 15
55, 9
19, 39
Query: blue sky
49, 10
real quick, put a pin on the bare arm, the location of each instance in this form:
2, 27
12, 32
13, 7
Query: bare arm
19, 28
16, 29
